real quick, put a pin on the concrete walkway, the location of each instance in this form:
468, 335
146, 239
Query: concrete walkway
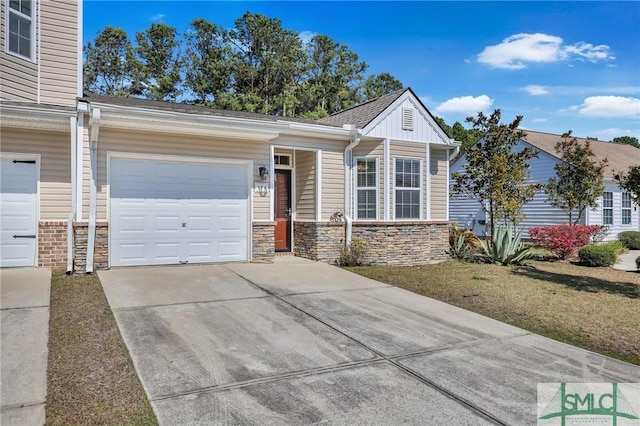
299, 342
628, 261
24, 329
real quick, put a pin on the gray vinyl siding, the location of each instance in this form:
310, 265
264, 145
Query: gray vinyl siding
56, 68
438, 169
373, 149
595, 215
413, 151
332, 183
305, 182
55, 166
171, 144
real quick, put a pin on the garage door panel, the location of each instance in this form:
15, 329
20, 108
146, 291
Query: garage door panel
189, 219
18, 211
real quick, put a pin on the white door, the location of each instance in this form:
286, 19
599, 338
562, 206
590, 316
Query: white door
169, 212
18, 210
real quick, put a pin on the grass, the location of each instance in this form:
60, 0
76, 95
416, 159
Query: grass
91, 379
594, 308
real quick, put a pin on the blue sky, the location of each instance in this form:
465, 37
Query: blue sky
562, 65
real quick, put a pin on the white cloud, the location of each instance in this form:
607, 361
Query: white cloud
539, 120
518, 50
609, 106
465, 104
615, 132
157, 18
306, 36
536, 90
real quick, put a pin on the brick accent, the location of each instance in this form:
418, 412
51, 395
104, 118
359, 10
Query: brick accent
101, 252
52, 245
389, 243
263, 242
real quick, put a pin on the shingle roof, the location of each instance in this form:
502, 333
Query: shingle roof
363, 114
192, 109
620, 156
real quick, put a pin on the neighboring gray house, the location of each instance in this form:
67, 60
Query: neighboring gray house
615, 209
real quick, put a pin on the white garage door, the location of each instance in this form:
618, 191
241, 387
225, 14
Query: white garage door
18, 210
169, 212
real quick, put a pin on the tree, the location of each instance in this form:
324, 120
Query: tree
630, 182
158, 63
495, 173
207, 70
579, 180
377, 85
109, 63
627, 140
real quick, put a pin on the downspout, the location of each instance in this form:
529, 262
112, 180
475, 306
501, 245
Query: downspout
94, 124
73, 121
348, 154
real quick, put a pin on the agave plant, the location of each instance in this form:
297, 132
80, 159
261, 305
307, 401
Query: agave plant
506, 248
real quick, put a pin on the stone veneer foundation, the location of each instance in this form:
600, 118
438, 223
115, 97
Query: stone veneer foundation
388, 243
52, 245
101, 253
263, 242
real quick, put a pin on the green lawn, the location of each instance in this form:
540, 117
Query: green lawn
91, 379
593, 308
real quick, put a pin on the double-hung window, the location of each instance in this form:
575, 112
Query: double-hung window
367, 188
407, 188
626, 208
21, 28
607, 208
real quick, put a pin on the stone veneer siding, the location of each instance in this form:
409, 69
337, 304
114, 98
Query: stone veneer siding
52, 245
101, 252
388, 243
263, 242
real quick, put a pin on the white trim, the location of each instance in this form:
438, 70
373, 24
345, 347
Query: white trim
420, 189
79, 166
429, 188
289, 166
248, 164
386, 178
38, 50
447, 190
272, 180
354, 195
80, 76
318, 185
35, 24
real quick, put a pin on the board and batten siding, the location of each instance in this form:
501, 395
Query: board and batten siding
55, 166
57, 65
391, 125
413, 151
374, 149
595, 215
115, 140
438, 169
305, 184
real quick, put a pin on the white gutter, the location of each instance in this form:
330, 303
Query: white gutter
73, 122
348, 154
94, 124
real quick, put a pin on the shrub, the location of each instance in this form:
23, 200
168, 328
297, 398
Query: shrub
506, 248
563, 240
631, 239
462, 242
598, 255
353, 254
638, 263
602, 233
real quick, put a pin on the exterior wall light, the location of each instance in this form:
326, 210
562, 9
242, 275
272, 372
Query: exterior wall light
263, 172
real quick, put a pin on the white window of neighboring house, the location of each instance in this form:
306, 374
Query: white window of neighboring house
408, 178
21, 29
367, 188
626, 208
607, 208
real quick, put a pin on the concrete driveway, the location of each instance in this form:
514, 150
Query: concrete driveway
300, 342
24, 331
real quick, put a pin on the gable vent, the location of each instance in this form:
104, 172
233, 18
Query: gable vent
407, 118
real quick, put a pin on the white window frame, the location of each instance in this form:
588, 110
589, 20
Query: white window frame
367, 188
607, 206
32, 48
419, 188
626, 207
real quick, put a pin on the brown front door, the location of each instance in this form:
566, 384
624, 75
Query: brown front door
282, 212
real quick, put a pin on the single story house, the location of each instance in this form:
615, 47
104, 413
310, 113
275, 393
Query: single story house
615, 209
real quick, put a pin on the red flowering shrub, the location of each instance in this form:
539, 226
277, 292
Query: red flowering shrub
564, 240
